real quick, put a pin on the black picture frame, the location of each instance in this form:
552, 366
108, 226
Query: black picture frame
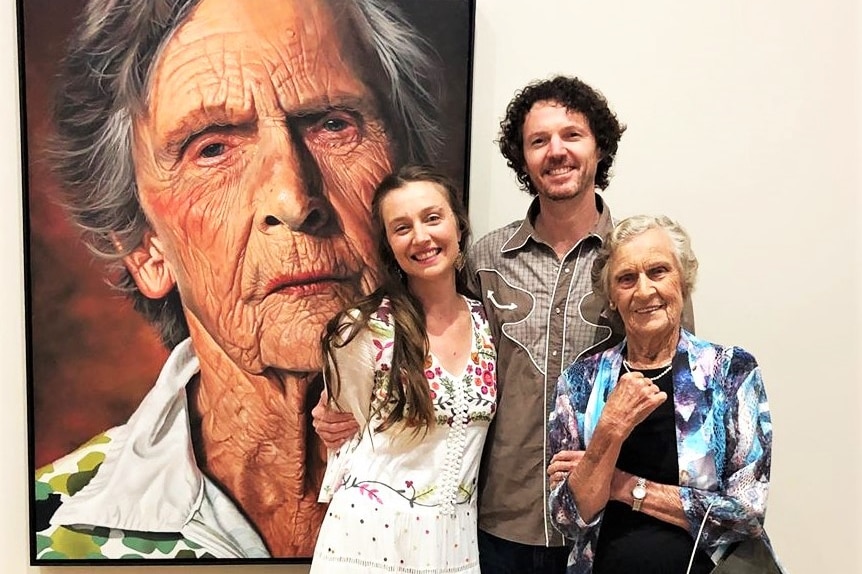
91, 358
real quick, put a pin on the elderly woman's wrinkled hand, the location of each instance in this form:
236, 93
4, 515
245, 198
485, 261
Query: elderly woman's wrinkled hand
632, 400
562, 464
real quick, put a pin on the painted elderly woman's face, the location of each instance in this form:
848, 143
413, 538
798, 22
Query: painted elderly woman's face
646, 285
256, 161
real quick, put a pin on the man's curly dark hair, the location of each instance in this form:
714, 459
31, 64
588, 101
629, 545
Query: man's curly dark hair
576, 96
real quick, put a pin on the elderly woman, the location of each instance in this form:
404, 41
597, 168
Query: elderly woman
664, 439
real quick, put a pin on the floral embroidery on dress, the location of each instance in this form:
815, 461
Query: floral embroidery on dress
458, 401
479, 376
371, 490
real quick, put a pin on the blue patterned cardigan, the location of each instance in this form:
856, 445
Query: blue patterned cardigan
724, 442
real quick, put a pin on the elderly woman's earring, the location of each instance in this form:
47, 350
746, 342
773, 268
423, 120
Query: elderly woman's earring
460, 260
612, 306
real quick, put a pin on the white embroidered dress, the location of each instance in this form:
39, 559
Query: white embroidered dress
405, 504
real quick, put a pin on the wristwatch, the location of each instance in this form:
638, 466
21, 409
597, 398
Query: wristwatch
638, 494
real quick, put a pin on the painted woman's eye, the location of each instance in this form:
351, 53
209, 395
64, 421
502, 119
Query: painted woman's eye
214, 146
332, 131
213, 150
335, 125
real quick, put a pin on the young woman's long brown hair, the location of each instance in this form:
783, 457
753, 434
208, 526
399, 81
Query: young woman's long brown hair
408, 392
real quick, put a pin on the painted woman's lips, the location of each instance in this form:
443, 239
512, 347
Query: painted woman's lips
305, 283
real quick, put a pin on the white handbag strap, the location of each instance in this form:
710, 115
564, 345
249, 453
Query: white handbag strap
697, 540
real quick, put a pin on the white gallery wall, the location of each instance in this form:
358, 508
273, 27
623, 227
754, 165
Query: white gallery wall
745, 123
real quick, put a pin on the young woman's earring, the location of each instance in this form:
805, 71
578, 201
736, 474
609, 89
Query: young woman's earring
460, 259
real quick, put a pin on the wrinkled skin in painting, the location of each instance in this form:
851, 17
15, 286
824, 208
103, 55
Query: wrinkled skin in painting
256, 159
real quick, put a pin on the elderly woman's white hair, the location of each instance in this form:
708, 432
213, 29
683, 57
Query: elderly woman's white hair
628, 229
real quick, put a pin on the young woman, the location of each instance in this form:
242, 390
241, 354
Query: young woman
415, 364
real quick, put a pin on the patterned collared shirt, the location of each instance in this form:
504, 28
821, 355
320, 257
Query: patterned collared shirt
136, 491
543, 316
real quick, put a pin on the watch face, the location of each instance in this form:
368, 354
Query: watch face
639, 492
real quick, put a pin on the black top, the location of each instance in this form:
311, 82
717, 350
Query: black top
632, 541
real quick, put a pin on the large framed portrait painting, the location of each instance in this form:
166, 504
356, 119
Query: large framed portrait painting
198, 181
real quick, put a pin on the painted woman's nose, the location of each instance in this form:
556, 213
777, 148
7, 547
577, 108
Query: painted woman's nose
292, 192
297, 210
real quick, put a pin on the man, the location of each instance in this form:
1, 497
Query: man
560, 138
224, 154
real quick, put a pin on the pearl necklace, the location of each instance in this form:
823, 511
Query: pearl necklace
657, 377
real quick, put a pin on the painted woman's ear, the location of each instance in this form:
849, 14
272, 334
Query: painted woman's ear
151, 272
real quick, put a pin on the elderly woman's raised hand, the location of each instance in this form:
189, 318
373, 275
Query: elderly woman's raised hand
631, 401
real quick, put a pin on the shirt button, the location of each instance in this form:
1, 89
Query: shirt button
553, 353
557, 310
566, 269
